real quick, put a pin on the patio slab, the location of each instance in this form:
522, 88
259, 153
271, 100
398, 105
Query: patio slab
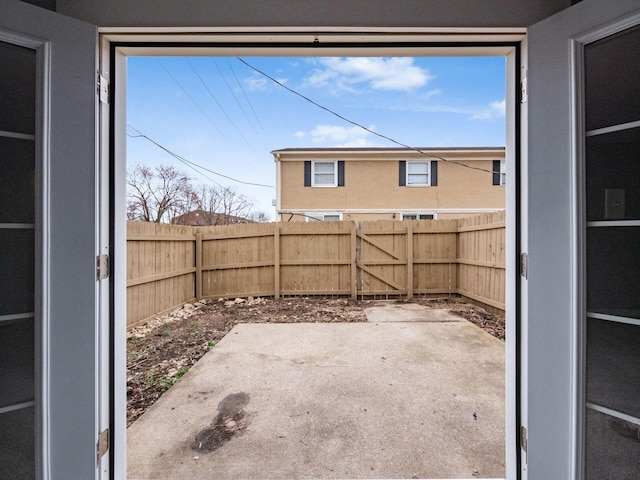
352, 400
408, 312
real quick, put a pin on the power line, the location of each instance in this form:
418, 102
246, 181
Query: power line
222, 135
221, 107
191, 164
247, 99
190, 98
352, 122
253, 127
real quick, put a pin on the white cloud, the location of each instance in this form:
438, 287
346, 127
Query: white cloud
429, 94
495, 110
346, 74
339, 136
256, 83
300, 134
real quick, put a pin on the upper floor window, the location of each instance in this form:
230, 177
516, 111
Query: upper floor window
421, 174
324, 174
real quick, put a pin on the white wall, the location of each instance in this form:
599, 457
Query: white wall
361, 13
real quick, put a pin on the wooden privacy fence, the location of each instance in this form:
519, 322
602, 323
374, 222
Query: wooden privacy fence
171, 265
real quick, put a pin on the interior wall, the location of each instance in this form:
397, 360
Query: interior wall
354, 13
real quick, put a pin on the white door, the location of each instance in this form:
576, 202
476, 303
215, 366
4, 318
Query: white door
49, 238
575, 268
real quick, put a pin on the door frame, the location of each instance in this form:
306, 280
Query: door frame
118, 43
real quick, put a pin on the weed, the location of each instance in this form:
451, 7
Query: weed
150, 379
166, 381
181, 371
211, 344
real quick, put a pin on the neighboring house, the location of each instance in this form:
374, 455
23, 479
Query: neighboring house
329, 184
62, 412
197, 218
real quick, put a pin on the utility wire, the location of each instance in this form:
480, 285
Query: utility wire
235, 97
191, 164
191, 98
247, 99
222, 135
221, 107
341, 117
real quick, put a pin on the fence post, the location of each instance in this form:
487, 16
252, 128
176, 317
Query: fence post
409, 261
199, 266
276, 261
354, 262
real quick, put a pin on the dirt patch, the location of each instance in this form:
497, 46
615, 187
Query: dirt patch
161, 351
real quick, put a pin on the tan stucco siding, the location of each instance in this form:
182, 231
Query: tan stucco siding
375, 185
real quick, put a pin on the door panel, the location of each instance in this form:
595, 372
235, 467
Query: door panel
17, 260
48, 189
557, 290
612, 232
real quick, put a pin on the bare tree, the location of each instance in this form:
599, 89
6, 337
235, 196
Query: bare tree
221, 206
165, 195
158, 194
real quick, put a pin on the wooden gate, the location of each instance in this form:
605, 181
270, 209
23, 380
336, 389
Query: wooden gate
382, 251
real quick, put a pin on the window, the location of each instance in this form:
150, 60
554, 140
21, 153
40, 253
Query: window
418, 216
323, 217
499, 172
324, 174
418, 174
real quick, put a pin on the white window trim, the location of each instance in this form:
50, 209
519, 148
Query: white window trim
418, 214
409, 162
313, 174
503, 173
320, 216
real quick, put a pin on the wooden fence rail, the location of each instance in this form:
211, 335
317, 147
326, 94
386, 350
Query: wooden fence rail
168, 266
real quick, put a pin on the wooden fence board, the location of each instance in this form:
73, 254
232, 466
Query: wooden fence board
170, 265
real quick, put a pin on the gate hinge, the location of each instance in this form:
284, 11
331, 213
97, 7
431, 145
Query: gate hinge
102, 266
524, 265
523, 438
103, 89
102, 446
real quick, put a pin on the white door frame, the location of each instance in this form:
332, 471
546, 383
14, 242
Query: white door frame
118, 43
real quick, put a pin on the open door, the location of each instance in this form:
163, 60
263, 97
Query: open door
582, 384
51, 382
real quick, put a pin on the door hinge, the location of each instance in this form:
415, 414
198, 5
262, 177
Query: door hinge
102, 446
102, 266
523, 438
524, 265
103, 89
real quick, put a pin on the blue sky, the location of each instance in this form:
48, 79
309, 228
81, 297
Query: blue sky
219, 113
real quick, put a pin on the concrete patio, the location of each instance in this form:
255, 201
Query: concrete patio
413, 393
